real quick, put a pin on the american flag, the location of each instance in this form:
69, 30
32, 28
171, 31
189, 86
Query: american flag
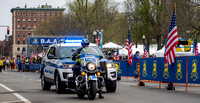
145, 55
31, 58
98, 39
172, 41
36, 53
129, 48
116, 55
22, 57
196, 51
43, 53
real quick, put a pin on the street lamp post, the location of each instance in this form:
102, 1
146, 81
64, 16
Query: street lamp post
94, 34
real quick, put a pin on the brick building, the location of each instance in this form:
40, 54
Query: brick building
6, 46
25, 22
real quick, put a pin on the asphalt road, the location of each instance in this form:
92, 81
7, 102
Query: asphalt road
20, 87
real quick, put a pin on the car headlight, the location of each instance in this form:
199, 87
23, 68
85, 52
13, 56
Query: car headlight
91, 66
68, 66
110, 65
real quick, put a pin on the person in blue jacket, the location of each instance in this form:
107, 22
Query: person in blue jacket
136, 55
18, 64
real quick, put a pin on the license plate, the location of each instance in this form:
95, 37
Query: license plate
92, 77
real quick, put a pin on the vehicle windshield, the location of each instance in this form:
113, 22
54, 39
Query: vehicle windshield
66, 51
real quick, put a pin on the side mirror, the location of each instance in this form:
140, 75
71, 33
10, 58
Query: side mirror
74, 50
100, 57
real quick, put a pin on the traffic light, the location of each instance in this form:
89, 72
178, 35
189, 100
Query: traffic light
8, 30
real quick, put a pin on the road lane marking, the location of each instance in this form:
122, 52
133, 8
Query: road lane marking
16, 94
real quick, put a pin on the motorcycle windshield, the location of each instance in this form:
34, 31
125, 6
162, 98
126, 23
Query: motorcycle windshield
89, 50
89, 54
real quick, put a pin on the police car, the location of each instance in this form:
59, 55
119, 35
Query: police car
57, 66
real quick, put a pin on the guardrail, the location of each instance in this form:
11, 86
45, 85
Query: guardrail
124, 69
184, 70
35, 66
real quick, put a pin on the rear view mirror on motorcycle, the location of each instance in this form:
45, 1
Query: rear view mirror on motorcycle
74, 50
100, 57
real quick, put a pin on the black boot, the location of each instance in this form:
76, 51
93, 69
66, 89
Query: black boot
100, 94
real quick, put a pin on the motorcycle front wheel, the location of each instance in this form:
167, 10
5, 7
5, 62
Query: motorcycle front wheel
92, 90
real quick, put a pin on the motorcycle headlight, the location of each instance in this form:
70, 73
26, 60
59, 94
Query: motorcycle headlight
110, 65
68, 66
91, 66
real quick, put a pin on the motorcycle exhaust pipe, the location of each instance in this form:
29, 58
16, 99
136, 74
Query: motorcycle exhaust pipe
79, 78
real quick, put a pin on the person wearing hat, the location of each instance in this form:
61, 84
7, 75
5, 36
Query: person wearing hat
136, 56
76, 70
187, 48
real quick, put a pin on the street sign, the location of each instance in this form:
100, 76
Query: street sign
49, 41
44, 41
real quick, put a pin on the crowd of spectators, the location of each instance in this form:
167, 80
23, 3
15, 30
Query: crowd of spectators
12, 64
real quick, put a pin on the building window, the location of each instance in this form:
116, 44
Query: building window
29, 13
18, 42
38, 13
18, 35
29, 20
34, 20
42, 19
24, 49
58, 13
24, 35
34, 27
18, 27
29, 27
29, 33
24, 13
42, 13
24, 27
18, 20
18, 13
53, 13
18, 49
48, 13
34, 13
24, 42
24, 20
38, 20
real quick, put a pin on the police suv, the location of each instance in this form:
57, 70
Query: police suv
57, 68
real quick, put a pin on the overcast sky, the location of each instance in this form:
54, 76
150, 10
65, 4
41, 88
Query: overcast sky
7, 5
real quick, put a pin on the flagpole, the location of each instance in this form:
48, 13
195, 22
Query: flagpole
175, 8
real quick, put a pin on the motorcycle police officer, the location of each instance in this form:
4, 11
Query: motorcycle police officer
76, 70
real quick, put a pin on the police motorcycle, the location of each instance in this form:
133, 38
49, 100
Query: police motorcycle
89, 81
